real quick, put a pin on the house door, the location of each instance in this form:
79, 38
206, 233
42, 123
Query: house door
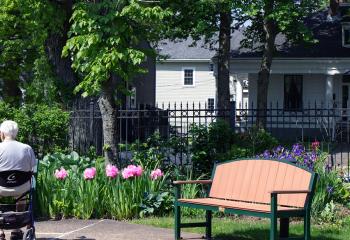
345, 101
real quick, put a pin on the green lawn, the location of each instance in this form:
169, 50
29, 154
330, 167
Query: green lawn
244, 229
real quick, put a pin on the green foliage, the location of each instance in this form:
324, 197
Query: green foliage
330, 216
43, 88
106, 38
218, 143
209, 144
255, 140
24, 28
156, 204
151, 153
287, 17
43, 127
198, 19
329, 188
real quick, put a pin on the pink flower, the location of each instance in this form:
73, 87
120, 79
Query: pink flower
61, 174
156, 174
132, 171
111, 171
315, 145
89, 173
138, 171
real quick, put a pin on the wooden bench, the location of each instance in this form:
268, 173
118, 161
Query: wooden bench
255, 187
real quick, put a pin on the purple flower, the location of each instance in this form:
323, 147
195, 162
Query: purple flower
330, 189
266, 154
298, 149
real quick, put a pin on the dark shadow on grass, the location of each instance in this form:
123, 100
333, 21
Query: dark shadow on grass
261, 234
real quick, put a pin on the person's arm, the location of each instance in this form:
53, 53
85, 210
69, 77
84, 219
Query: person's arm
33, 161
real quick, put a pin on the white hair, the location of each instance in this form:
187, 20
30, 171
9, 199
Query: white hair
9, 128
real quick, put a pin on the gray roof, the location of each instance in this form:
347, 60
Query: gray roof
184, 49
328, 33
188, 49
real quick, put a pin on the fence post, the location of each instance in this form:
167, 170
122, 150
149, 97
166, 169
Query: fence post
91, 130
233, 115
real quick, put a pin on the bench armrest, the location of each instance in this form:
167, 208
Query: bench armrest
290, 191
192, 182
177, 185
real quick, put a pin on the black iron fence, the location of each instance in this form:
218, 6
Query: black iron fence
138, 124
328, 125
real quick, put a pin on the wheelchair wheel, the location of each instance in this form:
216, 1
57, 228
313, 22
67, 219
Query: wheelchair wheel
29, 234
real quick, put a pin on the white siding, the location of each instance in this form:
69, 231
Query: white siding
170, 88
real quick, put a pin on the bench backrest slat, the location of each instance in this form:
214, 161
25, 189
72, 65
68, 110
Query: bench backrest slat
252, 180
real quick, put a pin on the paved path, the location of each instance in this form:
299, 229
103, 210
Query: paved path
102, 230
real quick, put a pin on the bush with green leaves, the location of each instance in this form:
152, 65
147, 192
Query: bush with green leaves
209, 144
43, 127
255, 140
151, 153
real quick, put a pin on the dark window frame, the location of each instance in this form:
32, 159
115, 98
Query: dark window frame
346, 35
211, 106
187, 77
286, 102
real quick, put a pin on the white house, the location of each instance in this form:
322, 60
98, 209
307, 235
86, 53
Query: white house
305, 77
187, 76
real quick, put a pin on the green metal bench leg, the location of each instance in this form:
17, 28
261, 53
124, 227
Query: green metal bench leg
273, 218
177, 222
284, 227
208, 216
307, 224
273, 228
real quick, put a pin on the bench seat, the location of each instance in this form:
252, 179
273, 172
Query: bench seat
222, 203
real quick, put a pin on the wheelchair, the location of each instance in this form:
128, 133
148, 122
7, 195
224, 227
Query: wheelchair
10, 216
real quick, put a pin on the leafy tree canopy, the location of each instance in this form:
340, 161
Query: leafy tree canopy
106, 38
24, 27
286, 17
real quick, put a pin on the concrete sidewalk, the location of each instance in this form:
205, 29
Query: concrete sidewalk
102, 230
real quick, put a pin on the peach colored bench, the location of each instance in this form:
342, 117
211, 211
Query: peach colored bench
255, 187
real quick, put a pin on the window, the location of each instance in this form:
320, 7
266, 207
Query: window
211, 104
245, 84
131, 99
188, 76
346, 35
293, 92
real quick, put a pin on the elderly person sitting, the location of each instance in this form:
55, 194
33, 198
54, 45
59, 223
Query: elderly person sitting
14, 155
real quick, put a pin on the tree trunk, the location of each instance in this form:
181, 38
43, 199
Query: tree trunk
333, 7
108, 110
11, 92
265, 68
223, 80
54, 45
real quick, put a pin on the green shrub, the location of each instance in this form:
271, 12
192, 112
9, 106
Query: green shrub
330, 187
151, 153
208, 145
43, 127
256, 140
